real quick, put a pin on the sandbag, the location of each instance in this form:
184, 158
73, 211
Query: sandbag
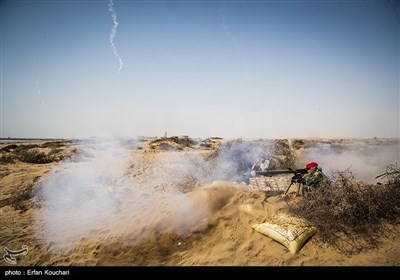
289, 231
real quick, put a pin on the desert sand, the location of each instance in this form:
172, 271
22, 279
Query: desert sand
163, 203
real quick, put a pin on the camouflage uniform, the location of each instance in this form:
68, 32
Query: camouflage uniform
314, 181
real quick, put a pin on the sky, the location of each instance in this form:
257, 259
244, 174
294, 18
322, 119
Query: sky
231, 69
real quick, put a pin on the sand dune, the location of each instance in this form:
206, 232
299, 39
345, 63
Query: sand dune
144, 203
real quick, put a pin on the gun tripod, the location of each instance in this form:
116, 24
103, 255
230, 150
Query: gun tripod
299, 184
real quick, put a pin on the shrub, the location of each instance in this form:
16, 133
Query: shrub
7, 158
352, 216
34, 156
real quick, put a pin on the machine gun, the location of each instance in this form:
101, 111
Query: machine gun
296, 178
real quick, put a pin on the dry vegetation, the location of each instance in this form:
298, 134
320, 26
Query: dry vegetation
21, 199
33, 153
25, 156
172, 143
350, 215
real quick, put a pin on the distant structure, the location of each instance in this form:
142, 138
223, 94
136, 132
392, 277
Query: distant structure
165, 135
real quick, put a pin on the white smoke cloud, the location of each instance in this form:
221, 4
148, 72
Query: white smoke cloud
113, 33
364, 158
80, 195
97, 196
107, 192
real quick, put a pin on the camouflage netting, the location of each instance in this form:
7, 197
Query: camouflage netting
353, 216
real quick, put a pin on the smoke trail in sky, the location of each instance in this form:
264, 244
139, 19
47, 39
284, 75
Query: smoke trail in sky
228, 32
39, 92
113, 32
226, 29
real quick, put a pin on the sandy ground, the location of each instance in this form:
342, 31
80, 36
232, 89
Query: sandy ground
136, 206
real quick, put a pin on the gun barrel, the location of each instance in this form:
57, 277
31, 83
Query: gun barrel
276, 172
273, 172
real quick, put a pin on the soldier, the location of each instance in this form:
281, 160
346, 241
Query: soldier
313, 179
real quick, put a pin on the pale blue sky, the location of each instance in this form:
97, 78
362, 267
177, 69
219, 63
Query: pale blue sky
234, 69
